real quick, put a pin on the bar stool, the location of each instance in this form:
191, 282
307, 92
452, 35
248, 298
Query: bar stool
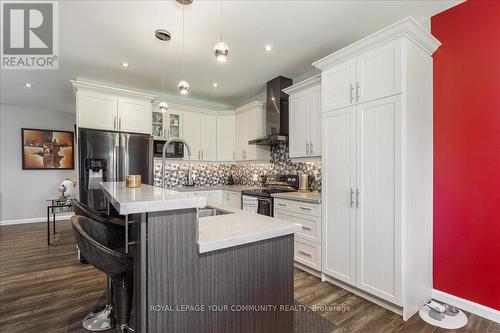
99, 320
95, 242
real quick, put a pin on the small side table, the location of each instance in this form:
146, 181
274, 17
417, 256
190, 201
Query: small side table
56, 206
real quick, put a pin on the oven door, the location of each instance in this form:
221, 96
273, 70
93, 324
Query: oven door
265, 206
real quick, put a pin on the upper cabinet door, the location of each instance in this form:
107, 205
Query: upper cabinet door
208, 143
191, 134
97, 110
134, 115
226, 138
241, 136
300, 105
338, 84
379, 172
379, 72
315, 122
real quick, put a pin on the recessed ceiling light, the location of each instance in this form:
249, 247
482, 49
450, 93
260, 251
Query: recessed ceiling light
125, 64
268, 48
28, 85
215, 84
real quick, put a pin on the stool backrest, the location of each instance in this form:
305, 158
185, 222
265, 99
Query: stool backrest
93, 240
82, 209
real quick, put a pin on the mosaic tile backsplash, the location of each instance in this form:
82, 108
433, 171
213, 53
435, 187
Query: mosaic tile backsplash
243, 173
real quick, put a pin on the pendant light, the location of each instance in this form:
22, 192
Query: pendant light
183, 85
221, 50
164, 36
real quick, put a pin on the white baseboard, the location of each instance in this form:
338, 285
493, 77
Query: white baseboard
36, 219
475, 308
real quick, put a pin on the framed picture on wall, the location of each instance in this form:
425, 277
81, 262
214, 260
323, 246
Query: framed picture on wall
47, 149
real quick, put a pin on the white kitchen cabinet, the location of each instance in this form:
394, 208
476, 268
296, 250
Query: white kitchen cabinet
378, 176
338, 85
379, 72
226, 138
215, 197
191, 134
200, 132
377, 167
374, 74
305, 118
308, 240
251, 125
134, 115
208, 144
339, 229
299, 110
173, 124
96, 110
232, 199
113, 109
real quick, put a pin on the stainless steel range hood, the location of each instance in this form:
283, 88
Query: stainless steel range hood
276, 113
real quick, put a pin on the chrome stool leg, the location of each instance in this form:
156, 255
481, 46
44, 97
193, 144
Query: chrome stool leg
102, 320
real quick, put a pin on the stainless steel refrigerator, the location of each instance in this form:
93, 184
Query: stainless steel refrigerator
110, 156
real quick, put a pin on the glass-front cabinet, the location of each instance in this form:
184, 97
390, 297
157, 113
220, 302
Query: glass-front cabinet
158, 124
173, 125
167, 125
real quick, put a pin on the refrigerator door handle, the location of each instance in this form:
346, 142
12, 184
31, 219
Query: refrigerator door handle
126, 157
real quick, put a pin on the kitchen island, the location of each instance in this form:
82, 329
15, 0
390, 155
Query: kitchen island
231, 271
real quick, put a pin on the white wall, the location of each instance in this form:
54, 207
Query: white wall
23, 192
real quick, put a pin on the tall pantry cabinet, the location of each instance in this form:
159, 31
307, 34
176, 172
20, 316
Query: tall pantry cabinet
377, 166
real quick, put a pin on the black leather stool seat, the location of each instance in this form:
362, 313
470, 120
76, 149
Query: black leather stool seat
96, 242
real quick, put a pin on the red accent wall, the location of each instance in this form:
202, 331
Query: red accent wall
467, 152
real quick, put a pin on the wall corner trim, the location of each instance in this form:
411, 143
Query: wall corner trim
469, 306
36, 219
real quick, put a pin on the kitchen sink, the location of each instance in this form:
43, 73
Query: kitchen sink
209, 211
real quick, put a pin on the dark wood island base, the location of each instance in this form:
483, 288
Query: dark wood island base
246, 288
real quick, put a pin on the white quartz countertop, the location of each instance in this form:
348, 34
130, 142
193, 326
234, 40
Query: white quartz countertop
148, 198
313, 197
240, 227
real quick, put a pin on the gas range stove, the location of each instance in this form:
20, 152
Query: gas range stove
275, 184
260, 200
267, 191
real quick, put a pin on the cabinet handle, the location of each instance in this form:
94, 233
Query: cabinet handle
306, 228
311, 148
351, 197
114, 122
305, 253
352, 95
357, 91
202, 154
305, 208
357, 198
282, 204
307, 148
120, 123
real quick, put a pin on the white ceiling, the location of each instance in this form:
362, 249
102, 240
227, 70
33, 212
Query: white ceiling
96, 36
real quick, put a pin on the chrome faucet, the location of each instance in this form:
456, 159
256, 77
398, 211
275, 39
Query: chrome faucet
164, 151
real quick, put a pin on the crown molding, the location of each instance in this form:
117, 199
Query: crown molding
303, 85
77, 85
250, 106
408, 28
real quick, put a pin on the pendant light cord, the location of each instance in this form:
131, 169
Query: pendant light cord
221, 21
183, 59
163, 71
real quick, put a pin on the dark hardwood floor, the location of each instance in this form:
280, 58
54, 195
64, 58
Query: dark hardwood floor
45, 289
